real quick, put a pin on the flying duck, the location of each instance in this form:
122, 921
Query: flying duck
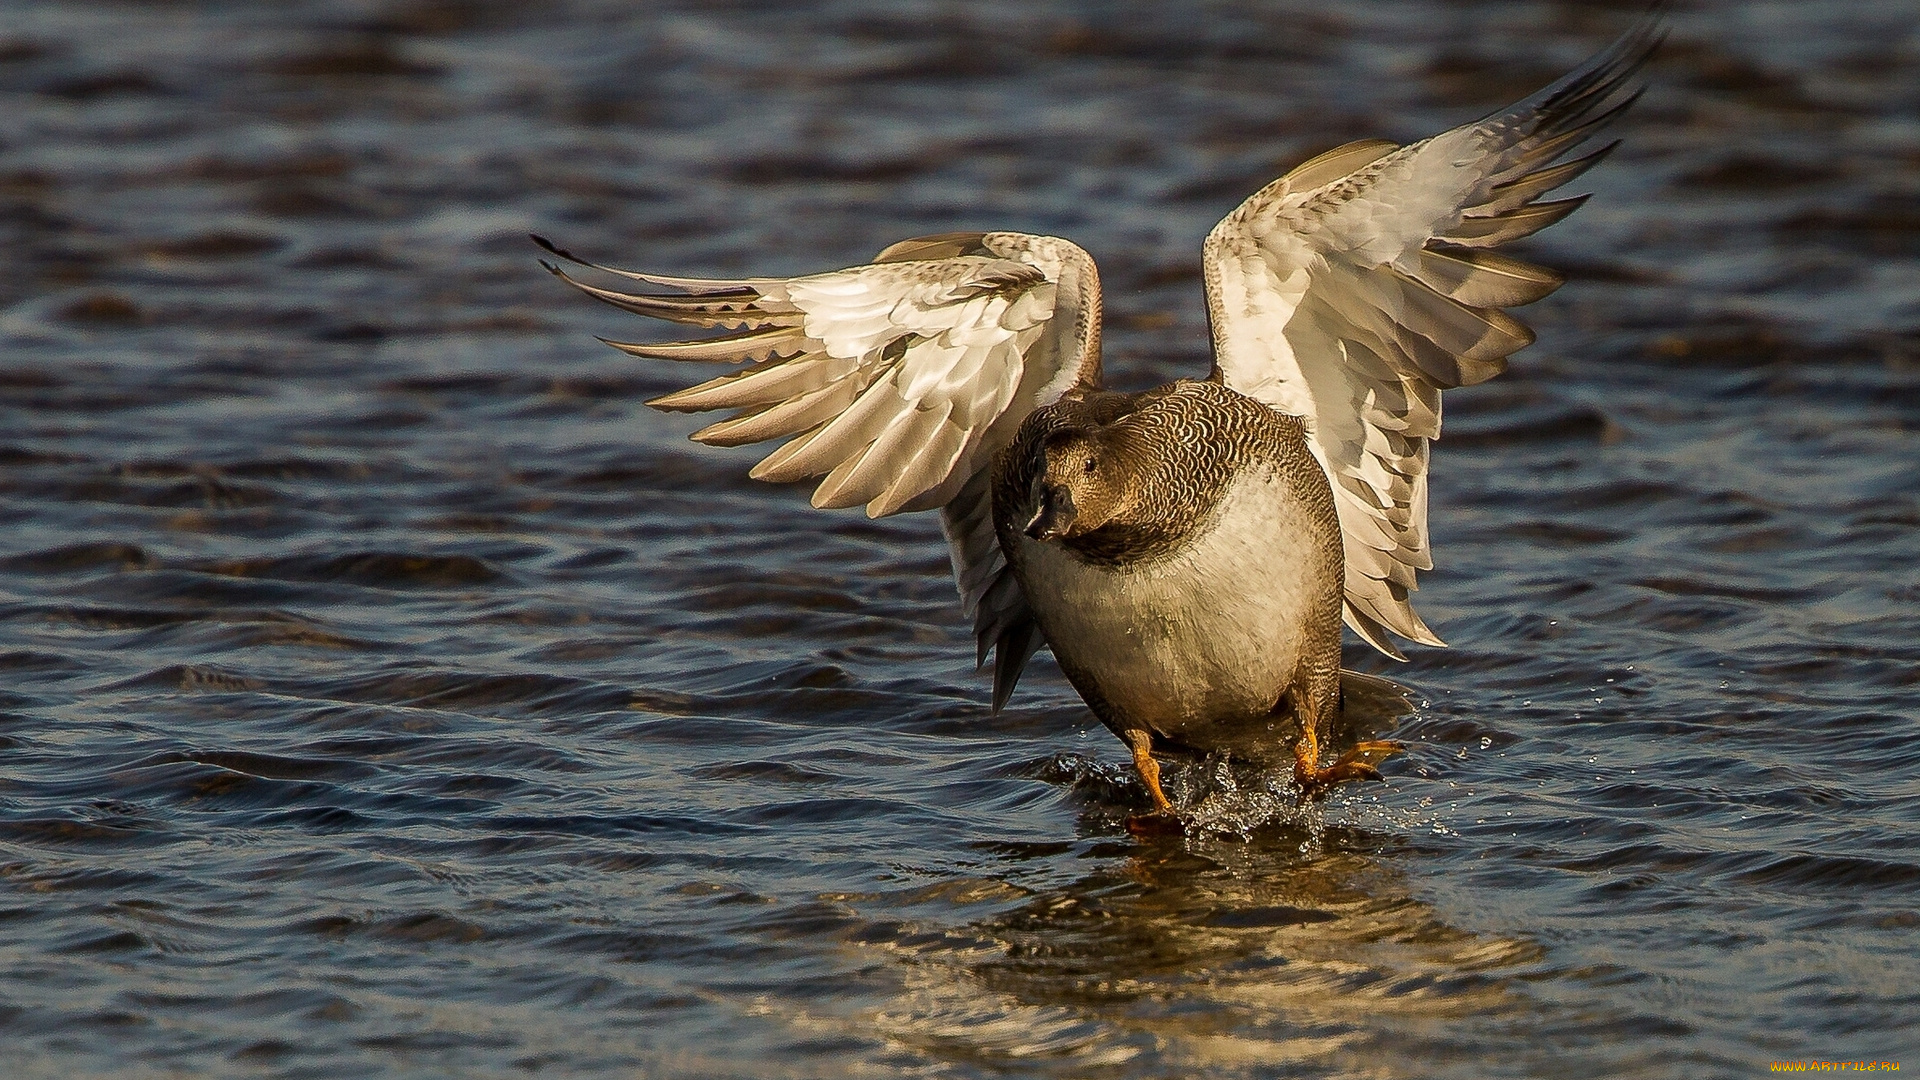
1190, 552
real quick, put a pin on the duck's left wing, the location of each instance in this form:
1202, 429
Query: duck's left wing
897, 381
1354, 289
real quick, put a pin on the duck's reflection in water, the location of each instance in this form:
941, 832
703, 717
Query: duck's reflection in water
1292, 948
1216, 956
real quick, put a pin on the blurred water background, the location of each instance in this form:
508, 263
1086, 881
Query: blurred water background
388, 693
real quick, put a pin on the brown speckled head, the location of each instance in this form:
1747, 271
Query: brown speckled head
1087, 477
1117, 478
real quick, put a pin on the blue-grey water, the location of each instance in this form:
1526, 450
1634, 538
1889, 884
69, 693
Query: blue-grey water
387, 692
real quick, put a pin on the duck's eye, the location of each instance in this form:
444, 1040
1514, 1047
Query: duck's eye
1088, 466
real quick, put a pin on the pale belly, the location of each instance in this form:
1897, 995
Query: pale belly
1213, 633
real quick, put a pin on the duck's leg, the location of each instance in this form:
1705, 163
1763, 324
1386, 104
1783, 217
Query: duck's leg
1163, 820
1142, 744
1355, 764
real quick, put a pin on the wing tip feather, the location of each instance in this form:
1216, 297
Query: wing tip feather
556, 250
1371, 632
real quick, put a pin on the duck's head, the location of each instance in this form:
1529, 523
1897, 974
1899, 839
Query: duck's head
1081, 485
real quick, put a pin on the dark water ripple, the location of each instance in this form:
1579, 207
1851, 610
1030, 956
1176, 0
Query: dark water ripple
385, 691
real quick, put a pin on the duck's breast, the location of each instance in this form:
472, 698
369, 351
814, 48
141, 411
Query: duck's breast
1212, 631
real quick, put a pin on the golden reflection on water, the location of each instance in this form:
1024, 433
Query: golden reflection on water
1269, 937
1210, 954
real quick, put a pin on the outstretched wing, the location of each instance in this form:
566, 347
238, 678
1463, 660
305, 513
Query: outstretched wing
1354, 289
896, 381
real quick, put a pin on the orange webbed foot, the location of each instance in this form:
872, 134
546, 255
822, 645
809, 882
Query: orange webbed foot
1356, 764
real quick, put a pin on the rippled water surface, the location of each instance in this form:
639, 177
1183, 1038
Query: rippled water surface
388, 692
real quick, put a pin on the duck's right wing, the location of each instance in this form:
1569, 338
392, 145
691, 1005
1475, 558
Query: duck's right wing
896, 381
1356, 288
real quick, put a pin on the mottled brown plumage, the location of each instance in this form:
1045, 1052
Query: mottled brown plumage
1189, 552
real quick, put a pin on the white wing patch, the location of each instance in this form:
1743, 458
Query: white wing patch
895, 381
1353, 290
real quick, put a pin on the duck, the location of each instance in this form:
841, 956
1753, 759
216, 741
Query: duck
1189, 553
